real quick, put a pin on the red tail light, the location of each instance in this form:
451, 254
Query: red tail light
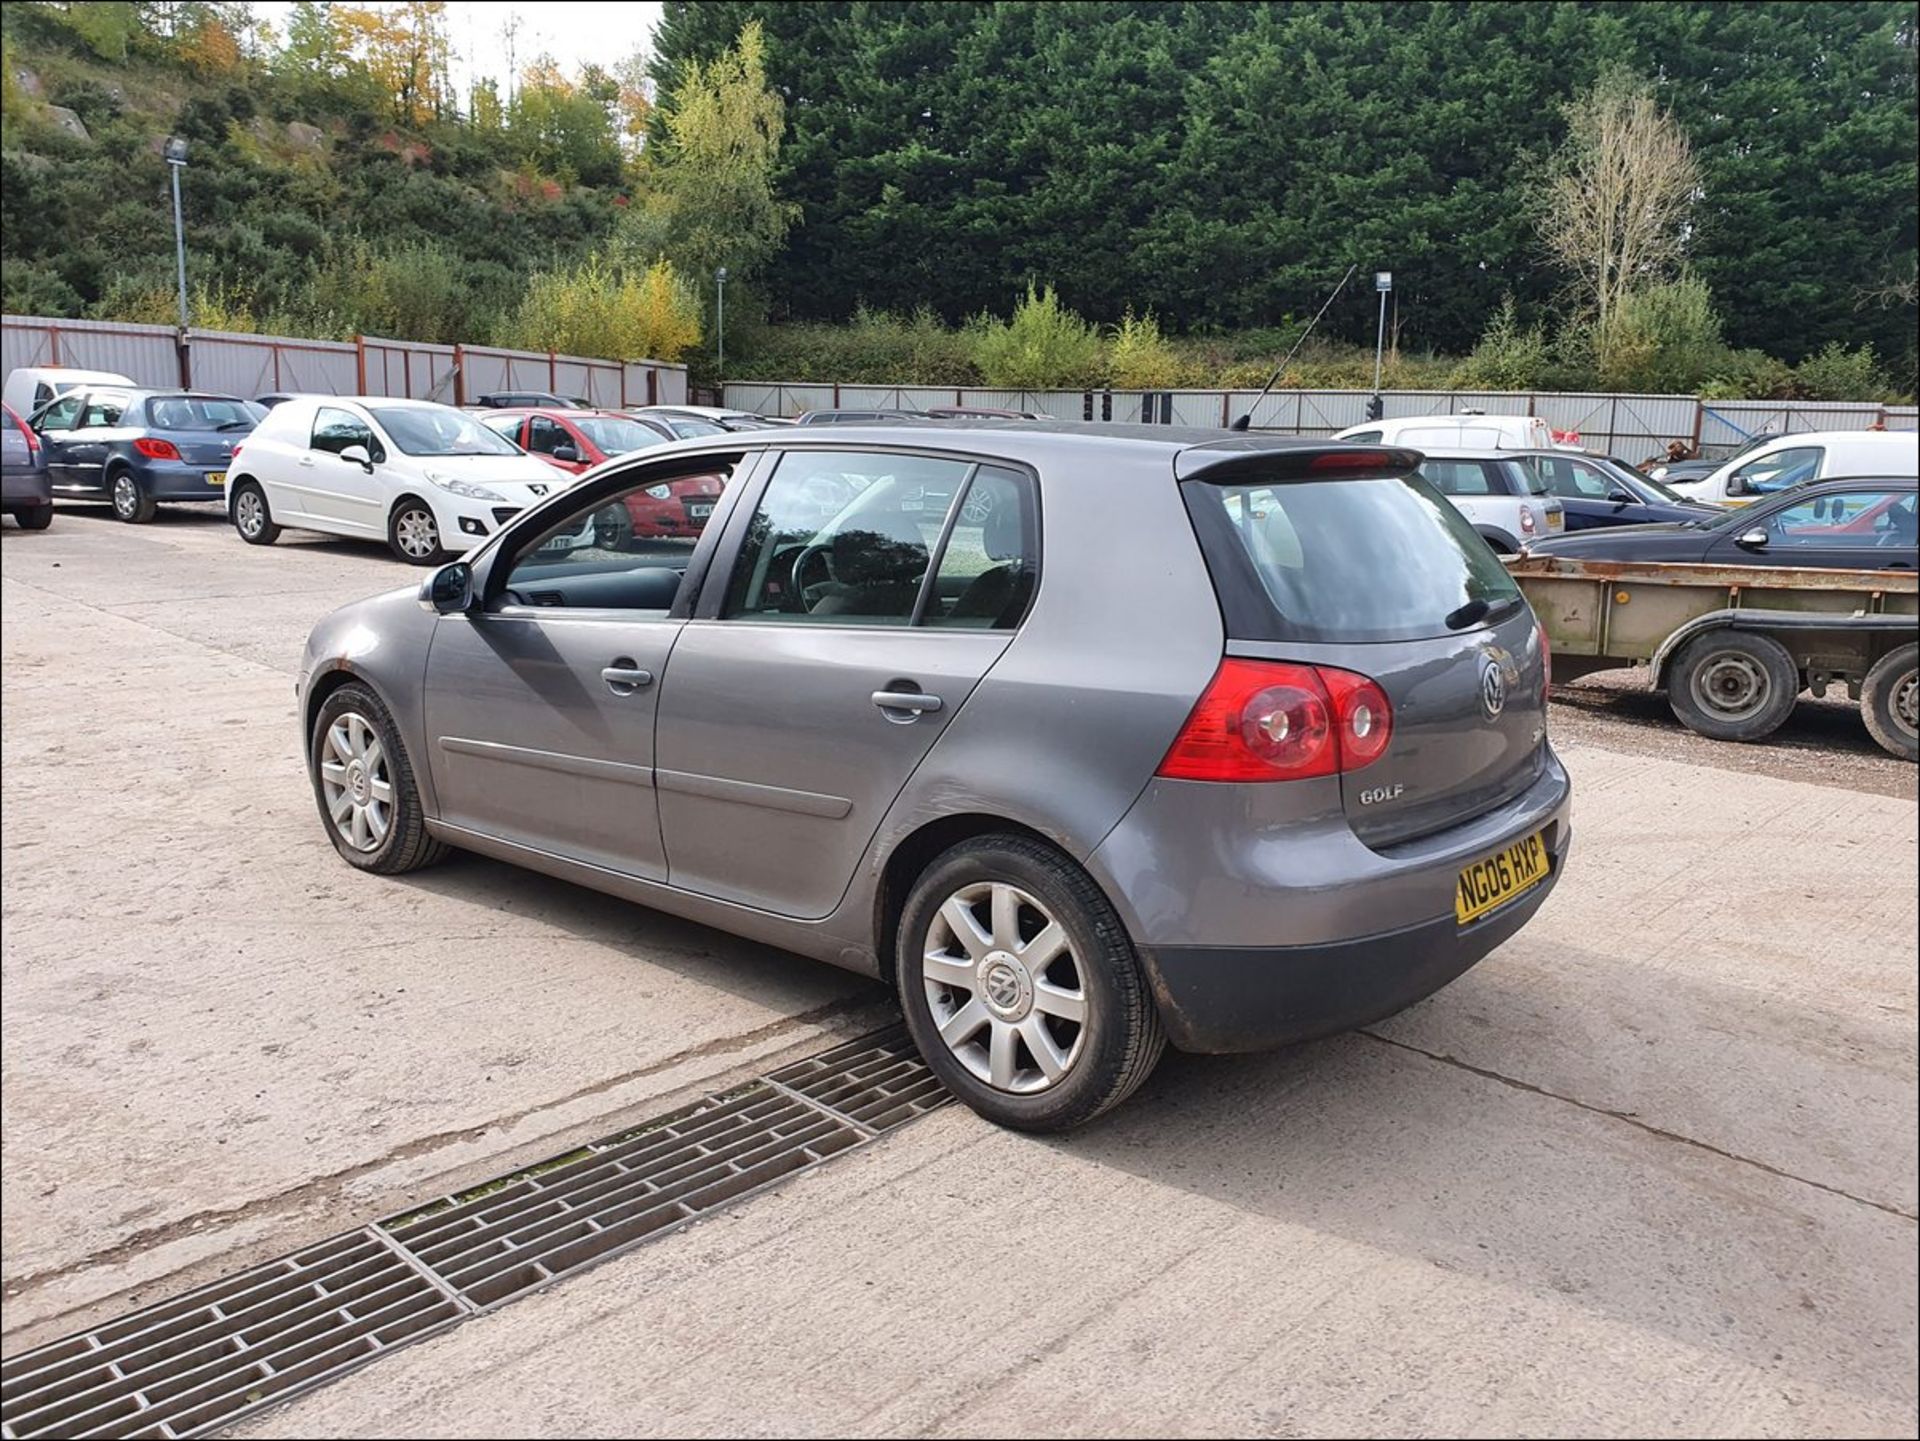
156, 449
1278, 721
234, 454
1526, 520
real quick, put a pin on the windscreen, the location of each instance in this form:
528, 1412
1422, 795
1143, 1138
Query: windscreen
439, 430
1343, 560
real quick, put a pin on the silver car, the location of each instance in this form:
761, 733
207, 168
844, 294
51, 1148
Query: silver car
1500, 492
1084, 738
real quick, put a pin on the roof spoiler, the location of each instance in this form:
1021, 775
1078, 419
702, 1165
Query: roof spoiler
1230, 462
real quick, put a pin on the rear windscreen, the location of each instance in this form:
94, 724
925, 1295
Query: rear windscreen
1341, 560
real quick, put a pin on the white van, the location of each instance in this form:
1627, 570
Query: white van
1472, 431
32, 386
1814, 455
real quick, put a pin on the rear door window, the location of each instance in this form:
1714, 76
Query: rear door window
1303, 560
1461, 477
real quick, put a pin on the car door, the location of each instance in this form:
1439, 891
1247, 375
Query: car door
342, 491
55, 426
546, 435
825, 659
1871, 528
88, 443
540, 702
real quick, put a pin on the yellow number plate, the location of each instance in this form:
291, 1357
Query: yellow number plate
1556, 520
1489, 884
216, 477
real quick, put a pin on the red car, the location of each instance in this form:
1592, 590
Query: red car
576, 440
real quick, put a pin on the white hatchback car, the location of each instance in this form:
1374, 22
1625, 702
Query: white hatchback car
1789, 460
428, 479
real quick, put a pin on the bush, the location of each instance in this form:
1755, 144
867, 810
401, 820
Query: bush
1838, 373
1751, 375
1140, 358
1044, 347
1661, 339
598, 308
1506, 358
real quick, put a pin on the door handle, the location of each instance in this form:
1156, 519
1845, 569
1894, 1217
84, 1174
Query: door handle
306, 460
905, 704
623, 677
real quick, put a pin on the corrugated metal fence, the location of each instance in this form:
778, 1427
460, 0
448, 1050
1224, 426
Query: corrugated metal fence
367, 365
1629, 426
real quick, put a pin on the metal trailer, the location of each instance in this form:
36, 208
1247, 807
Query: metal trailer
1734, 646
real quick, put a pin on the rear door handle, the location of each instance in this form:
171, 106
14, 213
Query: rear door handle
623, 677
905, 702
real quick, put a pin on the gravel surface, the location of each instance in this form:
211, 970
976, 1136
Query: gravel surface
1823, 743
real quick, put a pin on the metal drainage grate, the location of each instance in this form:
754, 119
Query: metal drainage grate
201, 1362
186, 1365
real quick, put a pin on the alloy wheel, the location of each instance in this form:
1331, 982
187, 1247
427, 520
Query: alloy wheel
355, 782
416, 533
1004, 988
250, 511
126, 495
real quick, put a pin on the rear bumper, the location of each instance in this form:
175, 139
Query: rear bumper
176, 481
1224, 999
22, 487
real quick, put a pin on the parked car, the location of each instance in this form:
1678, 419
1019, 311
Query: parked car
1789, 460
1859, 524
1674, 472
718, 415
136, 448
675, 424
1500, 493
855, 417
30, 388
425, 478
26, 491
1070, 806
975, 412
525, 399
577, 440
276, 397
1596, 492
1454, 432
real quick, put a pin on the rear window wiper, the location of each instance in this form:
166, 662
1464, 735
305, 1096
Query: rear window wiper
1477, 610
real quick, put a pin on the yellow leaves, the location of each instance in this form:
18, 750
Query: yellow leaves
598, 308
210, 48
1140, 357
405, 52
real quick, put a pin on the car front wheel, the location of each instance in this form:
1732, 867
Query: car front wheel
414, 534
1021, 986
363, 781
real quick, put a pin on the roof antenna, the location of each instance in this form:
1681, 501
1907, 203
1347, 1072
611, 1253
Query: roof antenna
1246, 420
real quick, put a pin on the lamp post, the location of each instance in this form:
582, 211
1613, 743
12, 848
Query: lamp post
720, 320
176, 156
1382, 282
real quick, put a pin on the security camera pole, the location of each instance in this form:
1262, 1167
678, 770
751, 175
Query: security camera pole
1382, 282
176, 155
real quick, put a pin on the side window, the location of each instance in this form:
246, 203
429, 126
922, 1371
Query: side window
62, 413
843, 538
1457, 477
545, 436
335, 430
1854, 518
1363, 437
1589, 481
1776, 470
988, 567
626, 551
104, 408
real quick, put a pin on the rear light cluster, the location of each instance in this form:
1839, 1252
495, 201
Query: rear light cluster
156, 449
1526, 519
1280, 721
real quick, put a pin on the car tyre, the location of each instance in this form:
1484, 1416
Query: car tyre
364, 785
251, 515
413, 533
1733, 685
1889, 699
130, 498
35, 517
1502, 543
1046, 966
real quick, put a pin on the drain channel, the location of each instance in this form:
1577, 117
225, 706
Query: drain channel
204, 1360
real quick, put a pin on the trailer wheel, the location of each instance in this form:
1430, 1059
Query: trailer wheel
1733, 685
1890, 700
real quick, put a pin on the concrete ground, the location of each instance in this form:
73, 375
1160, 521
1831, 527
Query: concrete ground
1649, 1169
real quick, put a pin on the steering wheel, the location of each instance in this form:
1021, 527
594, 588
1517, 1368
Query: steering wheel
801, 590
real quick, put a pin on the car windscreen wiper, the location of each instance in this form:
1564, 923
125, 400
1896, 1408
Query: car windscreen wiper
1478, 610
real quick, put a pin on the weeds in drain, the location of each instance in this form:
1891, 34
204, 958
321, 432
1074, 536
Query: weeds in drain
490, 1188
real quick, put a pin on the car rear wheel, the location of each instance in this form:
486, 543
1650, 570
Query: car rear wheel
251, 517
1890, 701
35, 517
1733, 685
414, 534
1021, 986
364, 784
130, 499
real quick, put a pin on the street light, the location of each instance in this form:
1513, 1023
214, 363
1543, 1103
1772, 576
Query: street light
176, 156
720, 319
1382, 282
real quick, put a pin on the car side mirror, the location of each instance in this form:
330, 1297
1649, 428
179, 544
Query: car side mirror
1738, 485
1620, 495
566, 452
1755, 539
449, 590
358, 455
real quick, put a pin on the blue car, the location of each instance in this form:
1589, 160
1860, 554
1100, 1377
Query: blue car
1598, 493
136, 448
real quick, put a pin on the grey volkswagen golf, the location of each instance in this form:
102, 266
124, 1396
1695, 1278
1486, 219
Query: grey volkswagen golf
1086, 739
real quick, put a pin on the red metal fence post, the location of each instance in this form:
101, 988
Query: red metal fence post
360, 363
459, 375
